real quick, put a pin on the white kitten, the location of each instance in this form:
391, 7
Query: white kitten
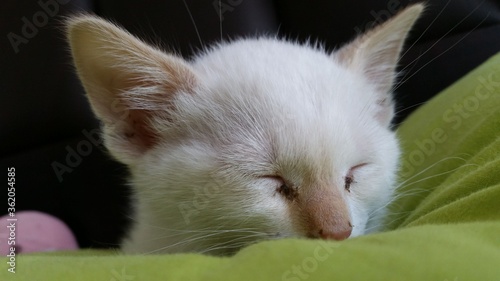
254, 139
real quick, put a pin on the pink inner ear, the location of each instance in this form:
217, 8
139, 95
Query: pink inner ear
141, 107
143, 98
139, 131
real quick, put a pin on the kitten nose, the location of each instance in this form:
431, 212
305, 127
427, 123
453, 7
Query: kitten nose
336, 234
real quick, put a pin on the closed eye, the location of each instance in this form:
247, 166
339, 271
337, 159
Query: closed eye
287, 191
285, 188
349, 179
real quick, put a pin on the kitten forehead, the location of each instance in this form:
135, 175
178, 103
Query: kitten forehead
280, 109
270, 63
282, 79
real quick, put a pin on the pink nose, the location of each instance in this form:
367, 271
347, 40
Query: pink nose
340, 234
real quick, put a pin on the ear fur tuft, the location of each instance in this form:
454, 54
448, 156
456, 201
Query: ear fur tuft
128, 82
375, 55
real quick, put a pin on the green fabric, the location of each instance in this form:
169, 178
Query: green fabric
445, 224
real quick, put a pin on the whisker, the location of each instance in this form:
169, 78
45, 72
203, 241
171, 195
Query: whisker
430, 61
212, 234
404, 71
192, 20
387, 223
426, 29
232, 245
412, 106
399, 196
445, 51
417, 191
442, 37
182, 242
428, 168
220, 18
440, 174
413, 63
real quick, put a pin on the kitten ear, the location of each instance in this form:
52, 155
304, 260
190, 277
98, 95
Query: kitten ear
375, 55
129, 84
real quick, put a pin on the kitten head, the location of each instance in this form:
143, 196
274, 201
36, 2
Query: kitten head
254, 139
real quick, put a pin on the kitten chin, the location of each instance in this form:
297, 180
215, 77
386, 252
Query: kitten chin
255, 139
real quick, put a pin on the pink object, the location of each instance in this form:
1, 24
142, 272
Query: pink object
34, 231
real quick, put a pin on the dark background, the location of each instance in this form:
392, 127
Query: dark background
44, 114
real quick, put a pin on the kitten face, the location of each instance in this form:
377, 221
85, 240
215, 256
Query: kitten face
254, 139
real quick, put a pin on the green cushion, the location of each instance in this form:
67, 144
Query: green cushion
445, 222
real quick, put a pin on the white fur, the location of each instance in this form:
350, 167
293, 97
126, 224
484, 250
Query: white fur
251, 109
